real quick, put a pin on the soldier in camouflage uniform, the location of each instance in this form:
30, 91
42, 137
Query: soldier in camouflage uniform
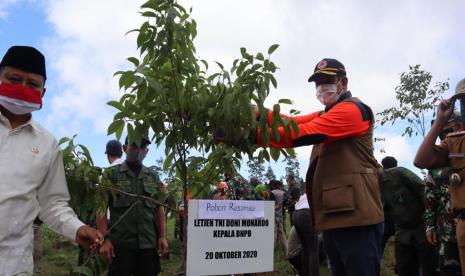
449, 153
238, 186
440, 220
439, 215
403, 200
138, 229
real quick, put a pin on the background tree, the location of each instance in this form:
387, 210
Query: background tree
269, 175
158, 168
417, 100
292, 166
255, 168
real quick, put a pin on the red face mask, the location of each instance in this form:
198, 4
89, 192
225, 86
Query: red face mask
19, 99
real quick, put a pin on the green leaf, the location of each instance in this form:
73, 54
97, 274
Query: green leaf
86, 153
294, 112
126, 79
276, 109
275, 133
204, 63
255, 67
266, 155
291, 152
116, 105
295, 127
196, 161
274, 82
130, 134
272, 48
134, 61
249, 58
285, 101
243, 52
260, 56
64, 140
168, 161
115, 126
275, 153
149, 14
220, 65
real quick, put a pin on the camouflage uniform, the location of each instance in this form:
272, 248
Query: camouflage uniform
136, 232
238, 188
403, 195
440, 218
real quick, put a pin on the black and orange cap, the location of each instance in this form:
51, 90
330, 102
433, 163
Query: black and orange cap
328, 67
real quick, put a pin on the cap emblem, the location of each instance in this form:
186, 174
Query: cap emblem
322, 64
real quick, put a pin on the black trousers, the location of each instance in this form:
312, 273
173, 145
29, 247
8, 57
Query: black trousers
389, 231
135, 262
291, 211
411, 257
354, 251
310, 265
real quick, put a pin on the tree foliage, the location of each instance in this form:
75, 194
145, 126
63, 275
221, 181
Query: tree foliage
87, 194
269, 175
170, 95
292, 166
82, 178
256, 168
417, 99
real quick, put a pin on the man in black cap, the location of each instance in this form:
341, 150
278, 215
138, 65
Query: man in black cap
31, 166
342, 179
114, 151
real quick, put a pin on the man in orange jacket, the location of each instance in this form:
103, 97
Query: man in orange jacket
342, 179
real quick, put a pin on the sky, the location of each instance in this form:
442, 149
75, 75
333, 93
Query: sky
85, 42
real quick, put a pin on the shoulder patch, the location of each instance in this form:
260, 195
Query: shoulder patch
367, 114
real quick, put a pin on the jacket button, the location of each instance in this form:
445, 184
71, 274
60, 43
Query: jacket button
455, 179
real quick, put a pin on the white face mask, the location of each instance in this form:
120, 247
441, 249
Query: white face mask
327, 93
16, 107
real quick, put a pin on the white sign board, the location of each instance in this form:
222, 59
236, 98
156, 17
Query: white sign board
230, 245
231, 209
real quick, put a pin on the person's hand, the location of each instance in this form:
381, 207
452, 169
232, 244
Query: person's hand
163, 246
89, 237
431, 237
444, 111
107, 251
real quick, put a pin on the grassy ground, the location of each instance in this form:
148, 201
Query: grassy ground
60, 256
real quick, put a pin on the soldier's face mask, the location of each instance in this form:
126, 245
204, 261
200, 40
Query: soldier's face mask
136, 155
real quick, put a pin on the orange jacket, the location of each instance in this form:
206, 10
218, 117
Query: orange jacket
341, 120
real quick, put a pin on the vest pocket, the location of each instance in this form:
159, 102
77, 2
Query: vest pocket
338, 199
457, 163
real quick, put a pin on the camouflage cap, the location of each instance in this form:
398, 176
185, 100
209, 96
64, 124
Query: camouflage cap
459, 91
